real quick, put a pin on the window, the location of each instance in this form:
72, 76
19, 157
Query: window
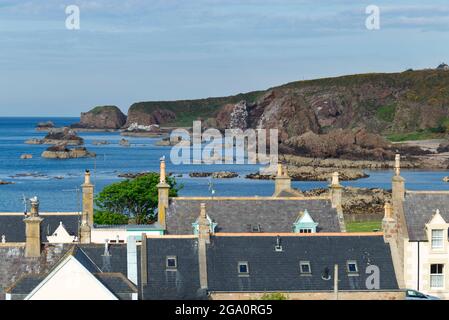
436, 276
305, 230
243, 268
172, 263
352, 267
437, 239
304, 267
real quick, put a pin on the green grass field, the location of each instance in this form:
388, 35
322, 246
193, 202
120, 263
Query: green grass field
368, 226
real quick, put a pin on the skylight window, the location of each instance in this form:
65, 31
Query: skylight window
304, 267
171, 263
352, 267
243, 268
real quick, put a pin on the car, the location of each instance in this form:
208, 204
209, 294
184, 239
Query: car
416, 295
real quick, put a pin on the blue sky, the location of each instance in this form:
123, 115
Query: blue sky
138, 50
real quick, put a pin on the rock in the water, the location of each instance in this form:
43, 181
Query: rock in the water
62, 152
446, 179
63, 136
308, 173
5, 182
200, 174
224, 175
124, 143
26, 156
44, 126
103, 117
34, 141
100, 143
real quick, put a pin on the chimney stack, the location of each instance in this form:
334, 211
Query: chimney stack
33, 231
336, 191
203, 241
398, 183
389, 227
163, 195
282, 181
87, 219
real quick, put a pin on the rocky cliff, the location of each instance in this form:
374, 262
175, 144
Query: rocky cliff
105, 117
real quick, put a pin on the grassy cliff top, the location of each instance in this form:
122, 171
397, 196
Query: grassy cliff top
100, 109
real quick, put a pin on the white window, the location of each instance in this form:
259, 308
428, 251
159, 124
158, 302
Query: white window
436, 276
305, 267
437, 239
352, 267
171, 263
243, 268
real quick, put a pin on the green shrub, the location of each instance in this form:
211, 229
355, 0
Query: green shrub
274, 296
386, 113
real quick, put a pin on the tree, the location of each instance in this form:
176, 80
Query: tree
133, 200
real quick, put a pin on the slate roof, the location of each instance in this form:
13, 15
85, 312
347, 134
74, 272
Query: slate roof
279, 271
419, 208
116, 283
269, 270
26, 284
110, 271
182, 284
240, 215
13, 226
116, 262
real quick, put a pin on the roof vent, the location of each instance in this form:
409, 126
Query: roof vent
326, 275
106, 248
278, 247
254, 228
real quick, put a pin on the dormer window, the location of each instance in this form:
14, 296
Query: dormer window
304, 223
437, 238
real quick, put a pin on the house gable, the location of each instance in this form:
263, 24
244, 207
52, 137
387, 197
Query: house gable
71, 280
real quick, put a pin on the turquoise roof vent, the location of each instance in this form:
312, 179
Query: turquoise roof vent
212, 225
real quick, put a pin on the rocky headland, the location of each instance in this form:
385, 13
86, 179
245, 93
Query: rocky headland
101, 118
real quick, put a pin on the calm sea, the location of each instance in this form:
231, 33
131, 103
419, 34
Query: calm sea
56, 182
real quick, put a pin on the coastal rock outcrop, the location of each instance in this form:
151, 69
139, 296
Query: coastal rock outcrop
308, 173
58, 136
45, 126
214, 175
137, 114
62, 152
103, 117
361, 201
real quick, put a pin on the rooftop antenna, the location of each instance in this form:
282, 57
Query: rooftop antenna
211, 187
24, 201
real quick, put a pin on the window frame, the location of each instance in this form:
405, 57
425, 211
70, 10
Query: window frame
243, 263
305, 263
440, 239
352, 262
434, 275
167, 266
